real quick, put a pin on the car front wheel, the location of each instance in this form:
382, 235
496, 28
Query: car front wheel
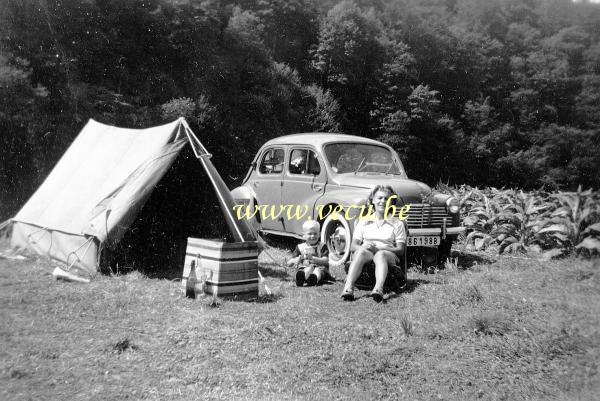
336, 234
445, 250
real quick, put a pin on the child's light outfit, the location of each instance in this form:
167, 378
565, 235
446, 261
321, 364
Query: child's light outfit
318, 250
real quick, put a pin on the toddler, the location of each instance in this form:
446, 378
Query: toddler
311, 257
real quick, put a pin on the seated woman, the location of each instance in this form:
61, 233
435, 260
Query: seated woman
379, 238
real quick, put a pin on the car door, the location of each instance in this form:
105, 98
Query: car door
267, 186
304, 183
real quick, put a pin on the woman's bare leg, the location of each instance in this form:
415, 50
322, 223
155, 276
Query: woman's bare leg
361, 257
382, 259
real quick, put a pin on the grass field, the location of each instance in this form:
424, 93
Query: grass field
493, 328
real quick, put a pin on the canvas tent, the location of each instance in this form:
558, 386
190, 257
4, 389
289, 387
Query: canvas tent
99, 186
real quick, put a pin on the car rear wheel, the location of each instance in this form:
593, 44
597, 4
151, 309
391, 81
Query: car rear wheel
336, 234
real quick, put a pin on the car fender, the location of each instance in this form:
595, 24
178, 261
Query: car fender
243, 194
246, 197
349, 200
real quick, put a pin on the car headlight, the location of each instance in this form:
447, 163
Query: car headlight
452, 205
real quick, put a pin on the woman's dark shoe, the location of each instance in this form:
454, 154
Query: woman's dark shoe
347, 294
300, 278
377, 295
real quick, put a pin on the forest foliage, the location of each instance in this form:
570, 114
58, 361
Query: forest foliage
501, 92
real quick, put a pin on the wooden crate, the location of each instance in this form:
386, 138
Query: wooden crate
222, 269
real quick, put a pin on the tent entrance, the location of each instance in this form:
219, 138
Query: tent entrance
183, 204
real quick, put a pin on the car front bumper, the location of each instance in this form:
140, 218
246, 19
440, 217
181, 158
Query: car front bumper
413, 232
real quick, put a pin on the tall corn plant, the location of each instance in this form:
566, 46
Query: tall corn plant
515, 221
570, 225
479, 209
512, 226
590, 244
475, 211
481, 212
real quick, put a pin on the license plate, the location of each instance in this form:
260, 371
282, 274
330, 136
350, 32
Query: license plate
423, 241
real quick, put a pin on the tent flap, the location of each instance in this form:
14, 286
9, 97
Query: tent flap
77, 251
114, 214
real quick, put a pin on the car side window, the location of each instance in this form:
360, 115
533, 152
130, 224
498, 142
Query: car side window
272, 162
298, 161
314, 168
304, 162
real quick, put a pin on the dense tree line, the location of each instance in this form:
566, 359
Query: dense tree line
499, 92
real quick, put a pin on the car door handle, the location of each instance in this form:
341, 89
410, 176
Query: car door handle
317, 188
256, 183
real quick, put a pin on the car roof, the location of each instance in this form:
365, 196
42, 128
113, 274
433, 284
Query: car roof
318, 139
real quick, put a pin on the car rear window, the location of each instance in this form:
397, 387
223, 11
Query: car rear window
272, 161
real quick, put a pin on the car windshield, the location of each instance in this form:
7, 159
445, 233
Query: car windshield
362, 158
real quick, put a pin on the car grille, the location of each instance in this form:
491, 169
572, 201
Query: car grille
424, 215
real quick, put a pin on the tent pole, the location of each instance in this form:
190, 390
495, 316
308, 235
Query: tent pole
244, 231
239, 228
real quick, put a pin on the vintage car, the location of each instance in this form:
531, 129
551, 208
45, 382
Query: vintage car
325, 176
